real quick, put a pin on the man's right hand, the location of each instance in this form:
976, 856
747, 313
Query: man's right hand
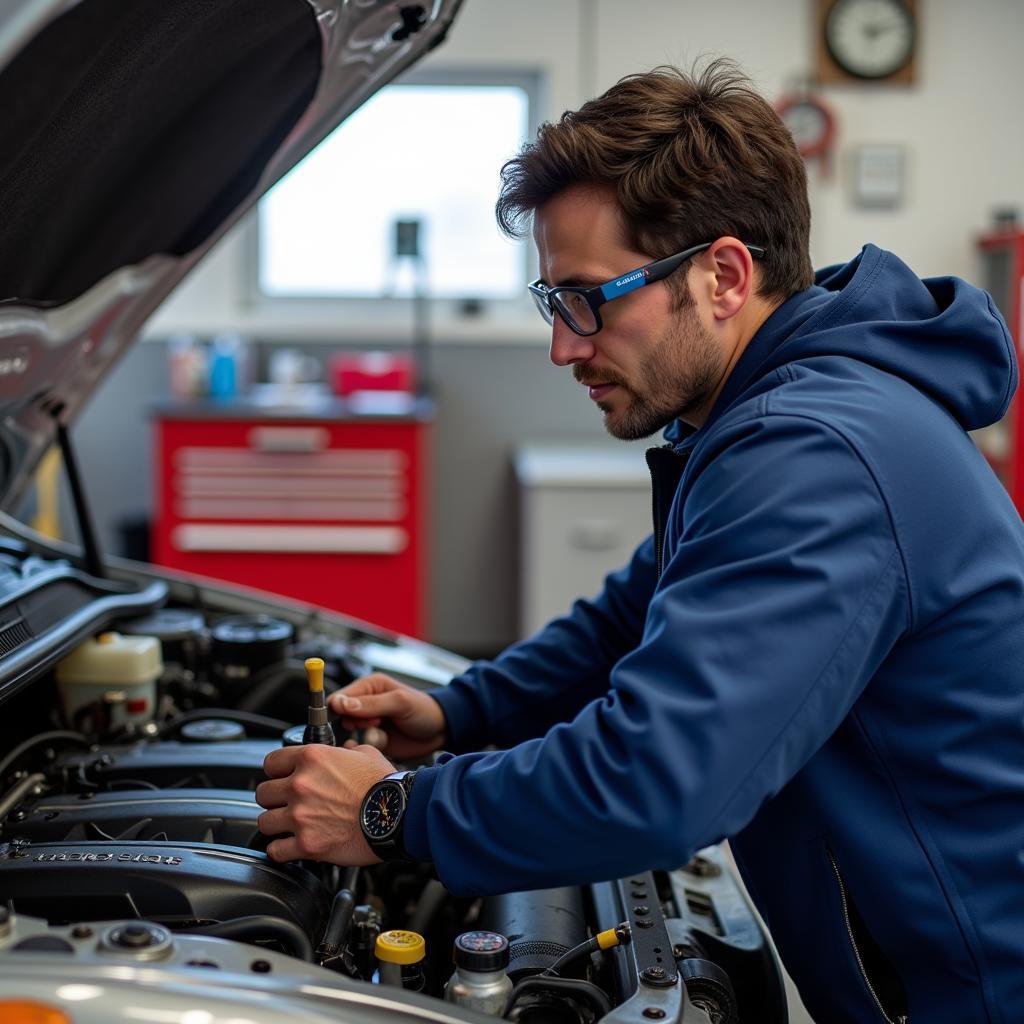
412, 721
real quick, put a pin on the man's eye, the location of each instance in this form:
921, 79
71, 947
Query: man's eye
576, 303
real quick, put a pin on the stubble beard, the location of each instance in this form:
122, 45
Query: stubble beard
677, 377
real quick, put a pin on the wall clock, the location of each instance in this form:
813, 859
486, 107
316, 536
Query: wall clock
867, 41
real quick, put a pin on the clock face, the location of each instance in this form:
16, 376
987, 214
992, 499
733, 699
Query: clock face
870, 38
382, 811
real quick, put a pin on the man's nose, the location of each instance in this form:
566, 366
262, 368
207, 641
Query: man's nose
567, 347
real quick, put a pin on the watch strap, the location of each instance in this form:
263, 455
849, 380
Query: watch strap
392, 848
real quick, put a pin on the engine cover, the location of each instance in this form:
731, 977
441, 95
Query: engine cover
175, 884
223, 816
237, 765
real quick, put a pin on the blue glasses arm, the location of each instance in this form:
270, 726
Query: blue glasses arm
621, 285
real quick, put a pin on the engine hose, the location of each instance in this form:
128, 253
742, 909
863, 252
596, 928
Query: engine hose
269, 726
568, 986
18, 792
35, 741
338, 924
607, 939
431, 899
261, 926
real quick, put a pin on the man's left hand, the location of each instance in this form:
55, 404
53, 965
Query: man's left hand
314, 792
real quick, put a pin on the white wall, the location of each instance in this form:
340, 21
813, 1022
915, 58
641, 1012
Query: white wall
959, 123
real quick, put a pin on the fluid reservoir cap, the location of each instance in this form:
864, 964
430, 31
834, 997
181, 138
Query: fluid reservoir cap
400, 947
212, 730
293, 737
481, 951
242, 645
251, 629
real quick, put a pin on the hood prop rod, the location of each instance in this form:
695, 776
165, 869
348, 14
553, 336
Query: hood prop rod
90, 547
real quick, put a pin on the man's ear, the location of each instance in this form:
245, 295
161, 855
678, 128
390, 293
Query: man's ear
729, 276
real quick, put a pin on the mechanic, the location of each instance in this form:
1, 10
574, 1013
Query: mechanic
818, 653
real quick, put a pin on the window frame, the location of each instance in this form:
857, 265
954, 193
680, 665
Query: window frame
356, 312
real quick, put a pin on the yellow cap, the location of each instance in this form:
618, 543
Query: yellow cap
108, 638
399, 947
315, 674
28, 1011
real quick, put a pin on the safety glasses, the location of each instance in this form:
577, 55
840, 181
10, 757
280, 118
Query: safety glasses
578, 307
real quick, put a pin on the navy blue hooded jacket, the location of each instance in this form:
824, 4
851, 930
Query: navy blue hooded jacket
819, 653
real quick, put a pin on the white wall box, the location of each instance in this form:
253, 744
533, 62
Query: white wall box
583, 510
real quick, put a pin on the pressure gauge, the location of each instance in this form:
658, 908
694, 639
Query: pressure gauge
809, 121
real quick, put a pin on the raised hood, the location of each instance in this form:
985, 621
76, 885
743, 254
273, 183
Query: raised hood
135, 134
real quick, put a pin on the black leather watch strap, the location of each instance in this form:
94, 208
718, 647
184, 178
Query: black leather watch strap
391, 847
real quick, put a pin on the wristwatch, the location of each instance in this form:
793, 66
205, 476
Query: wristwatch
382, 815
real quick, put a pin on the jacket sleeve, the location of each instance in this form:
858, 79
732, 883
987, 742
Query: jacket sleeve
549, 677
782, 594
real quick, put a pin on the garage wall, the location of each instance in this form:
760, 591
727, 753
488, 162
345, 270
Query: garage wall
496, 390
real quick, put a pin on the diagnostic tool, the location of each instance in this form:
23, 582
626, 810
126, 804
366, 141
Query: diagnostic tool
318, 729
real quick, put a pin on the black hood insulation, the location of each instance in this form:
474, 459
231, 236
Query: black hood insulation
137, 128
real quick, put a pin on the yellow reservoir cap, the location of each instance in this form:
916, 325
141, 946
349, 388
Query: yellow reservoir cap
315, 674
400, 947
27, 1011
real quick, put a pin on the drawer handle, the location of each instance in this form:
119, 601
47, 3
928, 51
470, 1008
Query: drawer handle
289, 439
595, 534
367, 540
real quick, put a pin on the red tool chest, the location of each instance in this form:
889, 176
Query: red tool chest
329, 509
1002, 254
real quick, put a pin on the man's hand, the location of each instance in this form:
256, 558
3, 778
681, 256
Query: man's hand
412, 721
314, 793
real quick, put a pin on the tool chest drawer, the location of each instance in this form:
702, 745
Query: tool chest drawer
328, 512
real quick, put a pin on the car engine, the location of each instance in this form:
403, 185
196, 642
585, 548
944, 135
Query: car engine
128, 838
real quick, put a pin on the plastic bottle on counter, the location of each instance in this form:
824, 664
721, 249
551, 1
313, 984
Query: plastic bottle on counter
225, 365
186, 359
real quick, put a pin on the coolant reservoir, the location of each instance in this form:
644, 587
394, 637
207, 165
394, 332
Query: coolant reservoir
112, 680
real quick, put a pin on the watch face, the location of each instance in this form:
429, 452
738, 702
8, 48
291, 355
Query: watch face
383, 810
870, 38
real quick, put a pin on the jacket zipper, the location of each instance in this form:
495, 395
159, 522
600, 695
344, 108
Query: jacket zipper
902, 1018
659, 540
657, 496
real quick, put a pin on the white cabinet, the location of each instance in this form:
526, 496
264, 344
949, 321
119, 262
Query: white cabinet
582, 512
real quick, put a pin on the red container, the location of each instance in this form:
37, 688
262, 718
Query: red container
372, 371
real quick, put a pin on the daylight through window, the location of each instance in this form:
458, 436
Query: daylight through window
413, 152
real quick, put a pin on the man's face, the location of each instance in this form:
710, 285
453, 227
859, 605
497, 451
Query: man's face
653, 361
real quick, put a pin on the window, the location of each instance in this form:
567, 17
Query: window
429, 151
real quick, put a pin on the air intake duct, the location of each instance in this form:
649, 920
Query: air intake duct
540, 926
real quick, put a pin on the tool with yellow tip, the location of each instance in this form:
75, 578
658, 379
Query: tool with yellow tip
318, 729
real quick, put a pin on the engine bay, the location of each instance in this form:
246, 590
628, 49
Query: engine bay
128, 836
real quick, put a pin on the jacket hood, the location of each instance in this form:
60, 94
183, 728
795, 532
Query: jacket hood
941, 334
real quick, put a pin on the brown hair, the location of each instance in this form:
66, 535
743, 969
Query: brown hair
691, 158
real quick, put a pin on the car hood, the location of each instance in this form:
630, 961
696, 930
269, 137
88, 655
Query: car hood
135, 134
